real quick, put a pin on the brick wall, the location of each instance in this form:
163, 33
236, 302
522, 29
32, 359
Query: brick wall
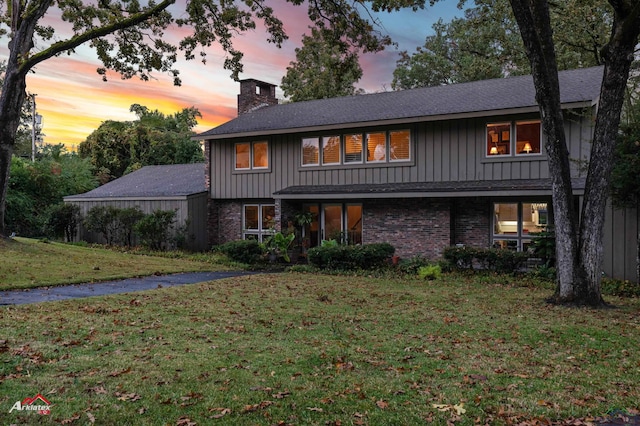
254, 94
225, 221
472, 221
415, 227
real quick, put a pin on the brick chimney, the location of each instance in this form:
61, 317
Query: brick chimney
255, 94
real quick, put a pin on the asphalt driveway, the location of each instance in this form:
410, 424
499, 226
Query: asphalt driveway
73, 291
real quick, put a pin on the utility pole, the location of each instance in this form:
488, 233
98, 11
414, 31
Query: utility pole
33, 128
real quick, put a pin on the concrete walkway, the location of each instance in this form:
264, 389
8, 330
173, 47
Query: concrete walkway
49, 294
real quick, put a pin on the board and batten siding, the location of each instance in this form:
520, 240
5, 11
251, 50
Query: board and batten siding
442, 151
620, 245
192, 208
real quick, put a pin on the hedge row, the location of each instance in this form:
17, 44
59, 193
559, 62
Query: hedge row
345, 257
498, 260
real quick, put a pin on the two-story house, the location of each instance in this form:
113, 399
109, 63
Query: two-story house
422, 169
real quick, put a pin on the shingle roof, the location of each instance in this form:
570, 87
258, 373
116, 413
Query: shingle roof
576, 86
152, 181
460, 187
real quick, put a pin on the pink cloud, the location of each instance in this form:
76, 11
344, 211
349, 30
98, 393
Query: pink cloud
74, 100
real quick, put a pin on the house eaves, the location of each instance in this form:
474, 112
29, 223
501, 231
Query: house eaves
493, 188
514, 95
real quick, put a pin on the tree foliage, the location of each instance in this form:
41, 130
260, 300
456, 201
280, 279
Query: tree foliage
325, 67
35, 186
486, 43
117, 147
625, 177
129, 37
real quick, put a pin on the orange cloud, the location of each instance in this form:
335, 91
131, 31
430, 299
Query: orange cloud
74, 100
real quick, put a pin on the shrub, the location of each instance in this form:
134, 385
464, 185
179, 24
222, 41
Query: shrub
498, 260
460, 257
126, 220
343, 257
61, 221
411, 266
103, 220
155, 229
543, 245
620, 288
243, 251
429, 272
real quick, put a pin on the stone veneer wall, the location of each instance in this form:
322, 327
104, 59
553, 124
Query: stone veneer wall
472, 221
415, 227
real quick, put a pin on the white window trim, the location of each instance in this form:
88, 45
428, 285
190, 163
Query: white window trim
251, 156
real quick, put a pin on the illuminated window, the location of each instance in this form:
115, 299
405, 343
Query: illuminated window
376, 147
353, 148
528, 137
252, 155
260, 155
243, 154
258, 221
310, 151
331, 150
498, 139
399, 143
515, 222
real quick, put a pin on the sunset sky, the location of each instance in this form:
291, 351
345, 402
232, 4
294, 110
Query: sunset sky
74, 101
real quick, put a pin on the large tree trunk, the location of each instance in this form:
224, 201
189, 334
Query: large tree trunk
535, 27
13, 94
11, 100
618, 55
580, 256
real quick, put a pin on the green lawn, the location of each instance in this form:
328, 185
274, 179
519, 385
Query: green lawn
303, 349
27, 263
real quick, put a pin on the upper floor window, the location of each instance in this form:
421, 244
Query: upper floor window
252, 155
356, 148
527, 138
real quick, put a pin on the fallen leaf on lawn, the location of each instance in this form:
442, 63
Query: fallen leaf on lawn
128, 396
70, 420
142, 410
319, 410
344, 366
221, 412
281, 395
98, 390
185, 421
119, 373
458, 408
382, 404
92, 419
253, 407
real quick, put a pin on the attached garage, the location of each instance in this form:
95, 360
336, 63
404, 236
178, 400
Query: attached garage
178, 187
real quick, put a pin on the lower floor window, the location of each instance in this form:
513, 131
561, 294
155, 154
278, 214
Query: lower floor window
258, 221
334, 221
514, 223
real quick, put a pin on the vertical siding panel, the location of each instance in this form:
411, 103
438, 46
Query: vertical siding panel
631, 235
429, 161
463, 150
420, 153
438, 159
451, 152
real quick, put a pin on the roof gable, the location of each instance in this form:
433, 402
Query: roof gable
152, 181
576, 86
